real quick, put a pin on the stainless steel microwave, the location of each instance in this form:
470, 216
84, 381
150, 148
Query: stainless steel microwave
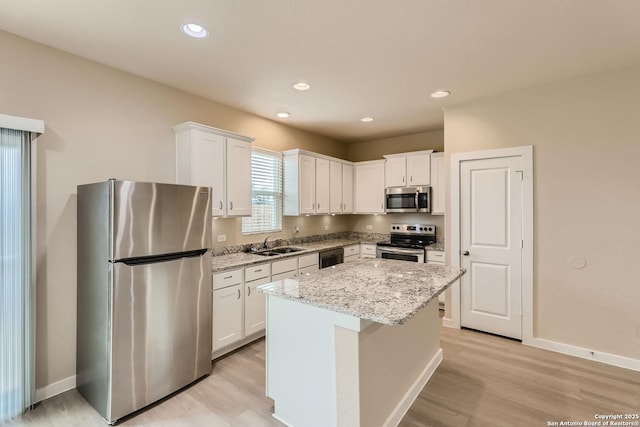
408, 199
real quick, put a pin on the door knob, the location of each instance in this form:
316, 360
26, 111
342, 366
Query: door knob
465, 253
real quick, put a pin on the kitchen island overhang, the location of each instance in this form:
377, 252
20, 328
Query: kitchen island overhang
353, 345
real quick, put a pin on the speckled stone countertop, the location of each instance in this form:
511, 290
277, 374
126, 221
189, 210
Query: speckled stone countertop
242, 259
384, 291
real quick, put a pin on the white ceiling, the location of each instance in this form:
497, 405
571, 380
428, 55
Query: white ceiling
378, 58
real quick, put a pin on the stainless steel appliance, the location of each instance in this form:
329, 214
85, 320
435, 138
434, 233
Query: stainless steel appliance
331, 257
144, 292
407, 242
408, 199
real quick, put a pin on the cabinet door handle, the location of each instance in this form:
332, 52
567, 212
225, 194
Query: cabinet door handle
248, 291
238, 293
465, 253
230, 206
220, 204
403, 179
318, 205
258, 270
227, 277
411, 178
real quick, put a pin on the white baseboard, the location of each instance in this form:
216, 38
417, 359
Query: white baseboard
585, 353
412, 394
55, 388
450, 323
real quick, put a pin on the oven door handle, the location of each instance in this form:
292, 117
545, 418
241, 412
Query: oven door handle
403, 251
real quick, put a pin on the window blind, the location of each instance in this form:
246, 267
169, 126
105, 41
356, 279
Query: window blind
266, 193
17, 287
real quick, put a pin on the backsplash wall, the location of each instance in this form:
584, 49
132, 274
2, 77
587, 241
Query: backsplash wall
307, 226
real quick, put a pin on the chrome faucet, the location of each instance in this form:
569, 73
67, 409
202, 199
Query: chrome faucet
264, 245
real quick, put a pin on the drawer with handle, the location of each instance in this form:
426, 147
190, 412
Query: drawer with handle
351, 250
256, 272
227, 278
435, 256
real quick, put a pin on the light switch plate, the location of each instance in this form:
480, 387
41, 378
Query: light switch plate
222, 238
369, 227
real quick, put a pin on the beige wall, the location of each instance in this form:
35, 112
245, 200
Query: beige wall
103, 123
374, 150
586, 138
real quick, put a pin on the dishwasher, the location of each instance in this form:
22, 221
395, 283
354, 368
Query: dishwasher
331, 257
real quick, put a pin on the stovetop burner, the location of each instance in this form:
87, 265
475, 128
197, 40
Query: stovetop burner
413, 236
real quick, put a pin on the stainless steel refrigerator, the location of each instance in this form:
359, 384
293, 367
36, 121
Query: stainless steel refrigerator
144, 292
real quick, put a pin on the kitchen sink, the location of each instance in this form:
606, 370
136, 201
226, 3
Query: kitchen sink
278, 251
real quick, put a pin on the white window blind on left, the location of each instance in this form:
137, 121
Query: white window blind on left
17, 277
266, 193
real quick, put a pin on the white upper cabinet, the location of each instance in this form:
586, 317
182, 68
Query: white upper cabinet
347, 188
408, 169
335, 180
395, 172
322, 186
310, 183
215, 158
437, 184
369, 187
341, 184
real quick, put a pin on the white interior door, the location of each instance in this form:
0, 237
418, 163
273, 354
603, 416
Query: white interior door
491, 245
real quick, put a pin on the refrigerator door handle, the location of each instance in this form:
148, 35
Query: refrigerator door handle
162, 258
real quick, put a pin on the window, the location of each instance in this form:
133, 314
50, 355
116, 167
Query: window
266, 193
17, 273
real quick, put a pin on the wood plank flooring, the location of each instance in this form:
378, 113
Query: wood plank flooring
483, 381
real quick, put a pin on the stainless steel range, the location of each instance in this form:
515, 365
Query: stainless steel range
408, 242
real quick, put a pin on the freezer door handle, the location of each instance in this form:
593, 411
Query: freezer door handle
152, 259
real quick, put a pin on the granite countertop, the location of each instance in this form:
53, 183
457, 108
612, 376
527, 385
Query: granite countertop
243, 259
384, 291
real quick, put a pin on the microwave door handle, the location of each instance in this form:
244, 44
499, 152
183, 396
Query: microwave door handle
417, 201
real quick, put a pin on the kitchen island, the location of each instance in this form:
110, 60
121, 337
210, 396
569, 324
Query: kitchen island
353, 345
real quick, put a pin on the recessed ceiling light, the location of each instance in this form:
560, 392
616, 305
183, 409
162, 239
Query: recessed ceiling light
282, 114
440, 94
366, 119
301, 86
194, 30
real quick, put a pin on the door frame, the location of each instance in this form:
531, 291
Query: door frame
453, 246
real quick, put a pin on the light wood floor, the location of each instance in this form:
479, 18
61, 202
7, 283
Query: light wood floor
483, 381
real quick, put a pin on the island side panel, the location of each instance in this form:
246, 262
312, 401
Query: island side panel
395, 364
301, 372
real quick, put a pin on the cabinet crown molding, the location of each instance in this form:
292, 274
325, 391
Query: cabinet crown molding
411, 153
298, 151
197, 126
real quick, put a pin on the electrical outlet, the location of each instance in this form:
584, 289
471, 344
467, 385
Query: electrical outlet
369, 227
222, 238
326, 227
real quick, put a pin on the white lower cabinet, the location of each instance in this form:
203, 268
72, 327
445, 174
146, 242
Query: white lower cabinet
351, 252
238, 307
308, 263
437, 257
254, 306
285, 269
255, 301
367, 250
227, 316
